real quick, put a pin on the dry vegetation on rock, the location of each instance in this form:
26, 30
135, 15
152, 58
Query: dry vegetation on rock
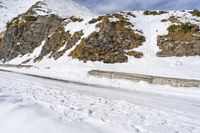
195, 13
109, 44
26, 32
154, 12
56, 41
182, 40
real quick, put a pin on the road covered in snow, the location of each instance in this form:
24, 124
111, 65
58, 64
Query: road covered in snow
31, 104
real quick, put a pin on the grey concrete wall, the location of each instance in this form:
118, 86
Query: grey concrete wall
175, 82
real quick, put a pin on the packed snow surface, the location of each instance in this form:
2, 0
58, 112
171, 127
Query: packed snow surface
30, 104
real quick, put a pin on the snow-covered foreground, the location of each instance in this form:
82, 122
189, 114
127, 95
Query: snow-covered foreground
29, 104
20, 117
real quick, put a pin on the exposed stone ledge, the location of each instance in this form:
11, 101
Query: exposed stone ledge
175, 82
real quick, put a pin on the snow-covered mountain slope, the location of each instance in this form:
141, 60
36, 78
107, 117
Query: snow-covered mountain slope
11, 8
57, 52
135, 42
63, 8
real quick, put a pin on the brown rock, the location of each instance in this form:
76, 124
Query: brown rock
182, 40
109, 44
25, 33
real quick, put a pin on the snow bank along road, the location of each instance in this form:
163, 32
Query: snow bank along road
31, 104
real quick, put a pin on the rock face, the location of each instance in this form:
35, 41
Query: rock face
111, 42
182, 40
26, 32
58, 43
23, 37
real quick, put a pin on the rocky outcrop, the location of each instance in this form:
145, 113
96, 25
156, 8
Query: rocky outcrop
154, 12
195, 13
58, 43
26, 32
110, 43
183, 39
172, 19
23, 35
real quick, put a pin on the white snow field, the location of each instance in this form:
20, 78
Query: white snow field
30, 104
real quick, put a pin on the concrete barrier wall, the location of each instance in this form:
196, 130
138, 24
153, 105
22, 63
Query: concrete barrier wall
175, 82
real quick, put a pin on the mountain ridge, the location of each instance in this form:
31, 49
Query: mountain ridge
8, 11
